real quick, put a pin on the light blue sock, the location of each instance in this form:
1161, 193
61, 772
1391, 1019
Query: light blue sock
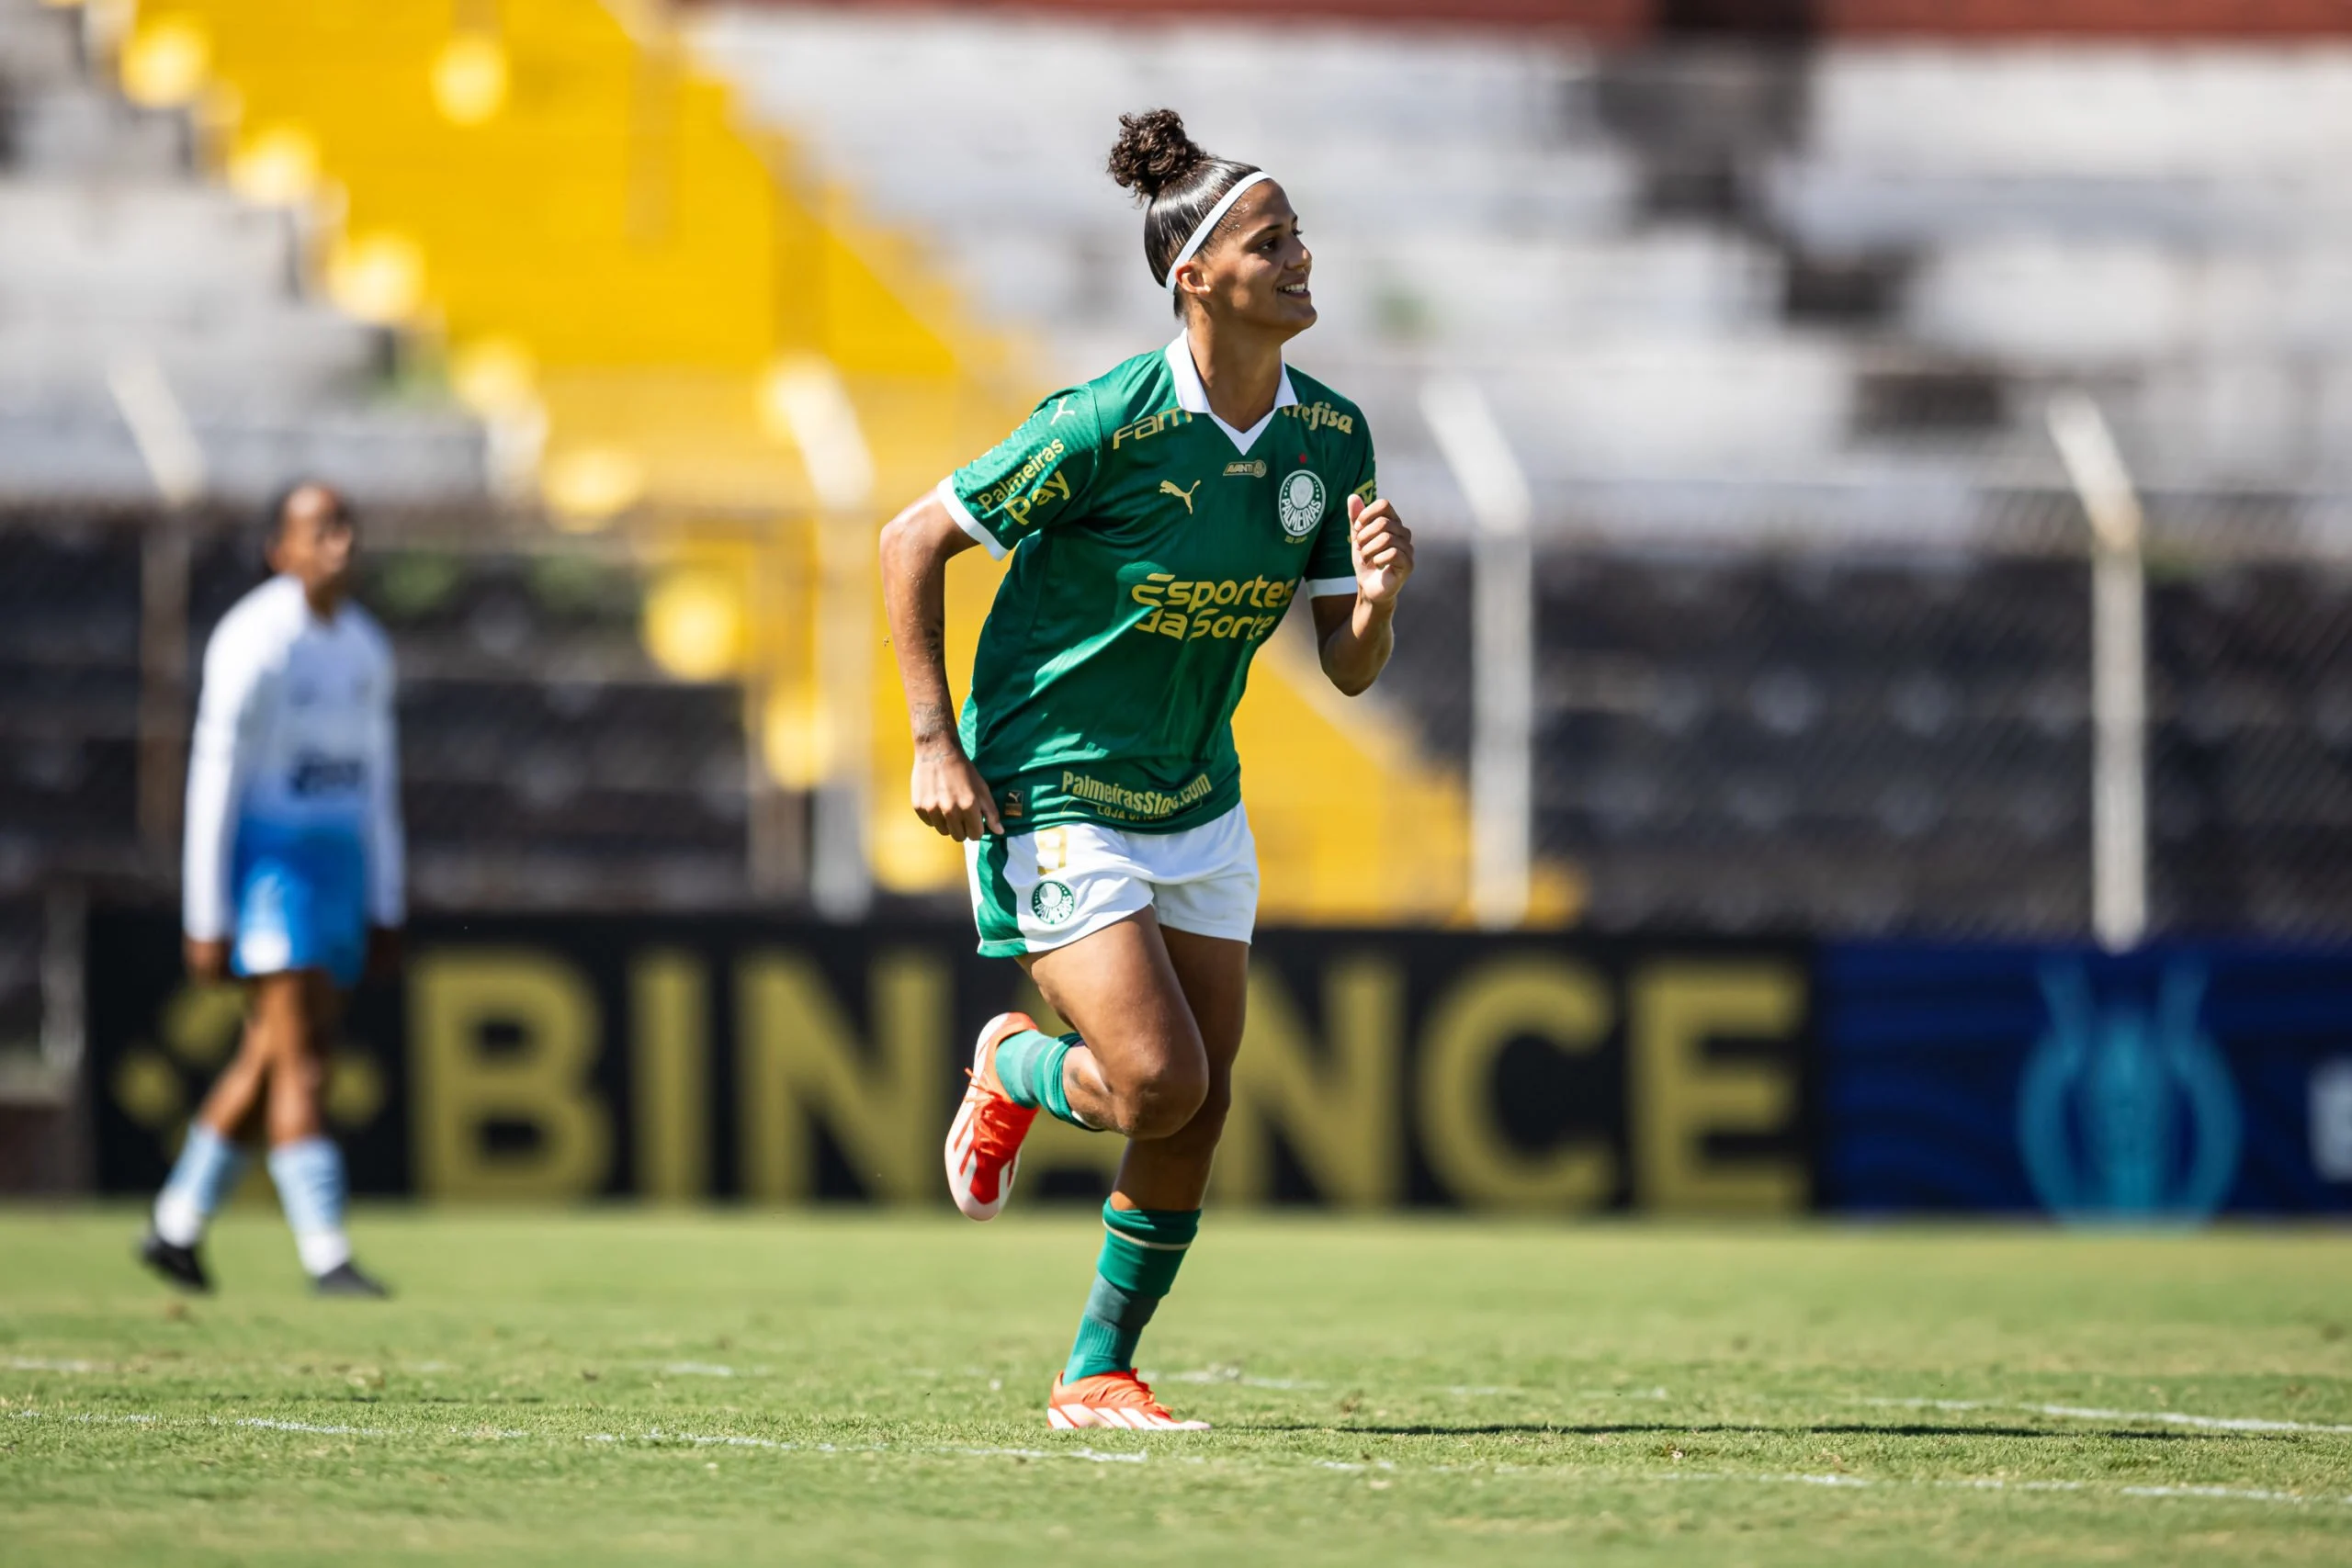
310, 1189
207, 1172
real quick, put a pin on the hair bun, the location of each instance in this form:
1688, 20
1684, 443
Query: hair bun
1153, 152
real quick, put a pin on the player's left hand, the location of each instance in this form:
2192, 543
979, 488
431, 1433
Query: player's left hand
383, 952
1381, 548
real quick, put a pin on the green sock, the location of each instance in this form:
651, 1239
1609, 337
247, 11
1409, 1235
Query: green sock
1029, 1065
1141, 1252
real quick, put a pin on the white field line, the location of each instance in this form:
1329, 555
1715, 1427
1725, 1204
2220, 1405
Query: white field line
2087, 1413
656, 1437
2062, 1411
1098, 1456
1465, 1391
673, 1368
2177, 1418
1231, 1375
775, 1445
308, 1426
1996, 1483
1963, 1483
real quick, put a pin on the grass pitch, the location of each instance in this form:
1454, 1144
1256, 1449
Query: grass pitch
639, 1387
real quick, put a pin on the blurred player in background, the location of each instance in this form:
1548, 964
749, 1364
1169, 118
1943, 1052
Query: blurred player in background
1161, 518
292, 879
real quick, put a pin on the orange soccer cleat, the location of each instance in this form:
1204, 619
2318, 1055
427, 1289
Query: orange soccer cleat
984, 1140
1112, 1399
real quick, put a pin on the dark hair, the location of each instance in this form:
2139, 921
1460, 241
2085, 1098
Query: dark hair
272, 521
1176, 179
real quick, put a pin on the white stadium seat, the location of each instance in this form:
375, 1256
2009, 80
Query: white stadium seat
2175, 224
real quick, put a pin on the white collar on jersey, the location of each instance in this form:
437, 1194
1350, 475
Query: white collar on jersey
1193, 398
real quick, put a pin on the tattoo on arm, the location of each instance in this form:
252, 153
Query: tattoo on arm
933, 723
915, 547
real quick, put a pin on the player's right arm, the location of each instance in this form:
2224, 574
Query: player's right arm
228, 720
947, 791
1034, 479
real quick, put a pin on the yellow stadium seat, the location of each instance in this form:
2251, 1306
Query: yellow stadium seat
553, 192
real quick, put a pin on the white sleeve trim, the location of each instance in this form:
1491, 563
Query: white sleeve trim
966, 521
1330, 587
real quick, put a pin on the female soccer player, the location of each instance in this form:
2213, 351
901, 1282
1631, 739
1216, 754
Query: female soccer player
293, 879
1161, 519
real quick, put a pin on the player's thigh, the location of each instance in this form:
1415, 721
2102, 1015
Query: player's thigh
1213, 973
292, 1011
1119, 989
1204, 894
279, 1002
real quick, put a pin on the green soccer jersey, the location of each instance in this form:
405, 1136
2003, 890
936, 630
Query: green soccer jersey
1153, 548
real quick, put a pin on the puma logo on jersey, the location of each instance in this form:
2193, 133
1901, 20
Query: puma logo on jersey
1167, 486
1061, 407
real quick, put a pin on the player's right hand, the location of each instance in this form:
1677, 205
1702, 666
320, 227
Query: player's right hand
206, 959
950, 796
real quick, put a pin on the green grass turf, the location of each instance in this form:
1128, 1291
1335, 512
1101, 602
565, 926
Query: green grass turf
641, 1387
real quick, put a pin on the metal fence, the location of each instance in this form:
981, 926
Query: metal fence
1852, 737
545, 760
1843, 737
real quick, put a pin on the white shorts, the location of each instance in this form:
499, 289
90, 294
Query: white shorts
1034, 892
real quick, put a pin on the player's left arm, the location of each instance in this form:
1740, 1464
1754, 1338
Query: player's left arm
387, 835
1355, 631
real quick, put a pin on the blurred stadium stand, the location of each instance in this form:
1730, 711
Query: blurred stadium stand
118, 253
679, 290
548, 762
547, 306
1771, 330
1769, 298
1706, 272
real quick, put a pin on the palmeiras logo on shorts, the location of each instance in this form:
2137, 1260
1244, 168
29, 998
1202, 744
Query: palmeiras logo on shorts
1052, 903
1300, 504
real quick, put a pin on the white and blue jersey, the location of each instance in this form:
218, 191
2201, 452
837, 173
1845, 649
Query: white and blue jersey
294, 844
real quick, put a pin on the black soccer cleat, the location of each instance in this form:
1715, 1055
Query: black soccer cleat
179, 1265
346, 1279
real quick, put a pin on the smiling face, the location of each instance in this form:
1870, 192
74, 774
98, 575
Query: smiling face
1254, 272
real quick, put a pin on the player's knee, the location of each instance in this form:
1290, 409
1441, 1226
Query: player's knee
305, 1071
1160, 1102
256, 1045
1208, 1119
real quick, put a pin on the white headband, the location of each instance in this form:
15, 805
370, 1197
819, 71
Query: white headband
1208, 225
